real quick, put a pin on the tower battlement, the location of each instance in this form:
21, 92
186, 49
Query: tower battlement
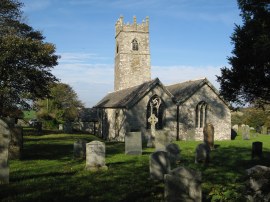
121, 26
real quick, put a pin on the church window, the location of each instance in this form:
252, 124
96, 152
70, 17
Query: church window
155, 106
201, 114
135, 45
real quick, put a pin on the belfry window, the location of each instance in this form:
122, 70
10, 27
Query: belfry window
135, 45
201, 114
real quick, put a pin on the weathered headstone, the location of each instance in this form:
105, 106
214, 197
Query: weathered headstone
208, 135
4, 145
79, 148
182, 184
95, 156
60, 127
191, 133
257, 149
159, 165
235, 127
258, 183
173, 153
133, 143
202, 153
245, 132
16, 142
162, 139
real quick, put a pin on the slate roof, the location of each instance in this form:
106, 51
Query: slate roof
179, 92
126, 98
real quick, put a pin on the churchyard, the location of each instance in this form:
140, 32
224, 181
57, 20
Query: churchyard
48, 171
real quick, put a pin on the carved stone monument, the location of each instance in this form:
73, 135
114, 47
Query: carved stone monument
257, 149
79, 148
245, 132
95, 156
173, 153
202, 153
162, 139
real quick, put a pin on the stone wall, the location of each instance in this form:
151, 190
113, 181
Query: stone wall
218, 114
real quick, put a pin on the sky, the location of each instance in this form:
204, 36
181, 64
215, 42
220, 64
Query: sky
189, 39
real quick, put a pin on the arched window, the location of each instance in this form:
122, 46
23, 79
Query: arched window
157, 107
201, 114
135, 45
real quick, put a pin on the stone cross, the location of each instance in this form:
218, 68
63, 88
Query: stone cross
153, 120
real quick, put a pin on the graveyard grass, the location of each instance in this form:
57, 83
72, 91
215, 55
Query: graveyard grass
48, 172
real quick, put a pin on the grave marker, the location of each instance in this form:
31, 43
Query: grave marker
133, 143
159, 165
208, 134
95, 156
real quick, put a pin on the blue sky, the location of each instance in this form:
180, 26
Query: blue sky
188, 39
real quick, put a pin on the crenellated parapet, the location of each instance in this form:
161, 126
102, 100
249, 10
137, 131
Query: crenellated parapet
134, 27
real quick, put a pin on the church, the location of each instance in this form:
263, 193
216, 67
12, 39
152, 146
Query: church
183, 108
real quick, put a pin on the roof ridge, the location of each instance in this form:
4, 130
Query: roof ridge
202, 78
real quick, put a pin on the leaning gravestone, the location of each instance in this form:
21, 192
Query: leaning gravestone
182, 184
208, 135
159, 165
4, 145
162, 139
79, 148
202, 153
133, 143
245, 132
95, 156
173, 153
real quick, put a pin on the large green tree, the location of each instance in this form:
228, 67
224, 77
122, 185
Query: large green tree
63, 104
26, 60
248, 79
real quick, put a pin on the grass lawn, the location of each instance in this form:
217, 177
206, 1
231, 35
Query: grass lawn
48, 172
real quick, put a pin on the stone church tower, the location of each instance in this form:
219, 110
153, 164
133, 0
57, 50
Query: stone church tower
132, 54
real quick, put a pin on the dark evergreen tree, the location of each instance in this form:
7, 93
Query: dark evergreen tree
248, 79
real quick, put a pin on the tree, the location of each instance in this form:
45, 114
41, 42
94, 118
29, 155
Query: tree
63, 104
248, 79
26, 60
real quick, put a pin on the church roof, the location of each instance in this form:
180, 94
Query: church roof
183, 91
179, 92
126, 98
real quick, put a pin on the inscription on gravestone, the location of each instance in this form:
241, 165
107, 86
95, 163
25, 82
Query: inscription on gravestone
133, 143
95, 156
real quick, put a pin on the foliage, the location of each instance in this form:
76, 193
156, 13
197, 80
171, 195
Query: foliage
62, 105
252, 116
25, 60
248, 79
48, 172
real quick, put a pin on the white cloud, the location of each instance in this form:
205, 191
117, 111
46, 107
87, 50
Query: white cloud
79, 57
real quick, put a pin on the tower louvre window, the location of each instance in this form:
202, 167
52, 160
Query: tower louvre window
135, 45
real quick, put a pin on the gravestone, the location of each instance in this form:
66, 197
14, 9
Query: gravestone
133, 143
208, 135
258, 183
245, 132
162, 139
191, 133
95, 156
79, 148
235, 128
4, 145
257, 149
16, 142
264, 130
202, 153
60, 127
67, 127
159, 165
173, 153
182, 184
